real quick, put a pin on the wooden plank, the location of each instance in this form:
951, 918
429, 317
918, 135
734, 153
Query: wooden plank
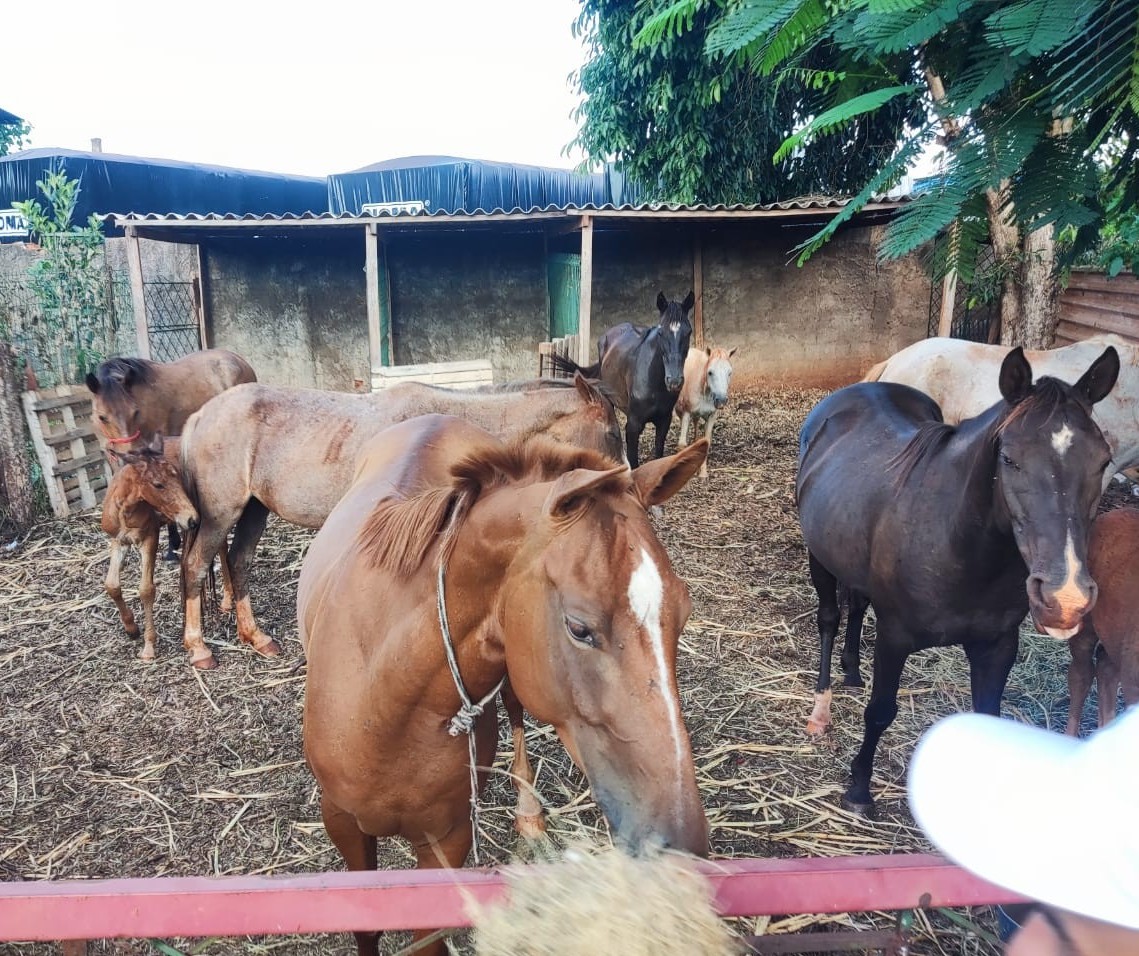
1098, 321
585, 300
78, 467
372, 294
80, 460
55, 492
1123, 304
388, 900
1123, 284
81, 431
78, 397
698, 290
138, 294
201, 290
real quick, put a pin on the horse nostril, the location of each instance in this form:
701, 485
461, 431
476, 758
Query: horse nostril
192, 524
1036, 593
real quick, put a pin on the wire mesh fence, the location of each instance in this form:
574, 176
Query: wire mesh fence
976, 305
171, 319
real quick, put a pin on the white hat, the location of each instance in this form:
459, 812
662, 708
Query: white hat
1051, 817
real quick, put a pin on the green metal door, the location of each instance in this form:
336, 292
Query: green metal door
563, 276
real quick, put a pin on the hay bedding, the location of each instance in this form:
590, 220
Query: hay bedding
109, 767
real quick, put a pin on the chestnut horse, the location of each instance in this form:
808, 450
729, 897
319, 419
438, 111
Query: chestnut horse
707, 378
952, 532
258, 449
540, 561
1109, 639
135, 399
146, 490
644, 369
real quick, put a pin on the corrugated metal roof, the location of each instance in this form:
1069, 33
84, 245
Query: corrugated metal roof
746, 210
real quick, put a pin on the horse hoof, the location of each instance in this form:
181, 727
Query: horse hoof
147, 655
864, 810
268, 649
853, 680
530, 827
817, 728
207, 663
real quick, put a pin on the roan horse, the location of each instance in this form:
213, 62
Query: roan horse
146, 490
258, 449
135, 399
644, 369
707, 377
1109, 639
539, 561
952, 533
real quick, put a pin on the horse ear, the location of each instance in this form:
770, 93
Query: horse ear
732, 351
587, 390
1016, 376
92, 383
709, 351
1098, 380
574, 486
155, 444
657, 481
689, 301
662, 302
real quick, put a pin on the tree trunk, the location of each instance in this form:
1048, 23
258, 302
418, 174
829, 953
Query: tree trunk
1006, 247
1039, 303
17, 496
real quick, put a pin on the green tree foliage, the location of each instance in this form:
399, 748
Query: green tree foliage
1023, 94
689, 127
13, 136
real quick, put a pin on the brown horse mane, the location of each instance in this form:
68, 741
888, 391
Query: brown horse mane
1047, 395
115, 374
399, 532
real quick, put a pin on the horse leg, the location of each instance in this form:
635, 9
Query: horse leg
633, 429
682, 439
1080, 671
173, 542
114, 589
245, 537
1107, 685
201, 546
148, 551
889, 660
855, 615
827, 619
359, 851
449, 853
661, 426
708, 423
989, 665
226, 583
528, 819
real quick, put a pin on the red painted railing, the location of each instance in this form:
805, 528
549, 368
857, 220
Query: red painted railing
423, 899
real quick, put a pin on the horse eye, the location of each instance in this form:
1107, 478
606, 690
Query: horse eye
103, 419
1008, 461
159, 485
579, 632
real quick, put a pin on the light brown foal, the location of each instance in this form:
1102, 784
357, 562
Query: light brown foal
552, 574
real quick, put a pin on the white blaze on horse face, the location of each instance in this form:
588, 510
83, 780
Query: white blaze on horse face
1070, 596
646, 598
674, 327
1062, 439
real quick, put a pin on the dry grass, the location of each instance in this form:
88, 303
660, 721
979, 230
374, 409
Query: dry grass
109, 767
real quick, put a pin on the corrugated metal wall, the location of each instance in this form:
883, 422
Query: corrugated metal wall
1094, 304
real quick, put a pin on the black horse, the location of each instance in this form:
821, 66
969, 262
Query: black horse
952, 533
643, 368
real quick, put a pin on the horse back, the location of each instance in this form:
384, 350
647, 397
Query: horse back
181, 387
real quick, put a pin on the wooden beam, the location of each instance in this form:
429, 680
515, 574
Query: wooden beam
372, 295
138, 293
423, 899
948, 299
698, 289
585, 300
201, 291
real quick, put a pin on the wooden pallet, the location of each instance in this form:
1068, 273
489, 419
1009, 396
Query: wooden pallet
75, 469
566, 347
443, 374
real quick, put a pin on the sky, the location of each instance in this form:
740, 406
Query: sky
312, 88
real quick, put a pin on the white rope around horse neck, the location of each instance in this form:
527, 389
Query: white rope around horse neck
469, 712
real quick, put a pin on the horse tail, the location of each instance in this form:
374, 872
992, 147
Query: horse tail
875, 373
568, 366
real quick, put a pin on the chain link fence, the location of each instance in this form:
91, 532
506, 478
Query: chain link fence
975, 306
171, 320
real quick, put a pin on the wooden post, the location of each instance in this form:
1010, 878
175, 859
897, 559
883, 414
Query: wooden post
138, 293
17, 496
948, 298
200, 290
372, 296
698, 289
585, 298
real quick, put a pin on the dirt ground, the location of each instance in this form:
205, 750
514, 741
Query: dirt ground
111, 767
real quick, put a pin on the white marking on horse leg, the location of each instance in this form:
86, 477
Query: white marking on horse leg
646, 597
820, 720
683, 439
1062, 439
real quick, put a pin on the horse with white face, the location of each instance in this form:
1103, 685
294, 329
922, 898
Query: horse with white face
707, 376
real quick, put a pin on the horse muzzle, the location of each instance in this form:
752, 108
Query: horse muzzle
1059, 611
720, 402
187, 521
640, 830
673, 384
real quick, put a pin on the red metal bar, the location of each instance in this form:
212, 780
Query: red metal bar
422, 899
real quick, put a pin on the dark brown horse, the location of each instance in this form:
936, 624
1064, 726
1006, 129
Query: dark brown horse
644, 369
546, 567
135, 399
146, 490
953, 533
1108, 643
258, 449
